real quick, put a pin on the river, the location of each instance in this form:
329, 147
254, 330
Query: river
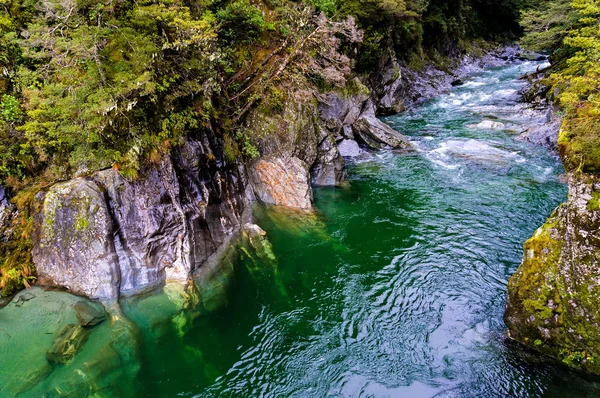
395, 287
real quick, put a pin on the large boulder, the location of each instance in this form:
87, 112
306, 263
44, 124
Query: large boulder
349, 148
377, 134
89, 314
341, 110
73, 243
553, 298
282, 181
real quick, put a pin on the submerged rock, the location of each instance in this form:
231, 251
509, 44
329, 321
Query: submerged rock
475, 150
487, 125
256, 238
89, 314
67, 343
553, 298
34, 376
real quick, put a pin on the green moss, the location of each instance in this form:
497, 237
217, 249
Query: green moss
355, 88
594, 203
553, 307
231, 149
81, 222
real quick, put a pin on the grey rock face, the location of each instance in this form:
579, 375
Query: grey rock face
103, 236
349, 148
73, 243
329, 169
544, 133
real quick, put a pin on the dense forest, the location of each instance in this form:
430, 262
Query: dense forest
569, 32
86, 85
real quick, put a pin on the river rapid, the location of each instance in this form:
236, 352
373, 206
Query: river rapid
394, 288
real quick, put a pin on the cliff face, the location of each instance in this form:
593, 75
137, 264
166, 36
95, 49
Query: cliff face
553, 298
102, 235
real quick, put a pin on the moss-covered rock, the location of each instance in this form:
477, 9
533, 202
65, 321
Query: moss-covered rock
72, 253
554, 297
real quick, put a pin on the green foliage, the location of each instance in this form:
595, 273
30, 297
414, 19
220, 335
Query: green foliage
577, 82
10, 109
241, 22
105, 83
329, 7
569, 30
247, 147
230, 149
594, 203
16, 265
546, 26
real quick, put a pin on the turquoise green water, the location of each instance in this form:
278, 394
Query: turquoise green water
394, 287
397, 287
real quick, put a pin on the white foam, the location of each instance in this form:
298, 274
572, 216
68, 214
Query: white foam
477, 151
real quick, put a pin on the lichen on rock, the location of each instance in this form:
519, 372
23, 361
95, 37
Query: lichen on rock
553, 298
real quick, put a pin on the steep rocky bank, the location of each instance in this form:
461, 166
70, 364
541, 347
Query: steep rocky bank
102, 235
553, 298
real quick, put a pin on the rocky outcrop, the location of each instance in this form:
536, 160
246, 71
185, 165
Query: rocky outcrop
553, 298
282, 181
102, 235
376, 134
545, 132
352, 117
296, 151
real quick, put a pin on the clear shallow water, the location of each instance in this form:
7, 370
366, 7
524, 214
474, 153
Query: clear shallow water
395, 287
